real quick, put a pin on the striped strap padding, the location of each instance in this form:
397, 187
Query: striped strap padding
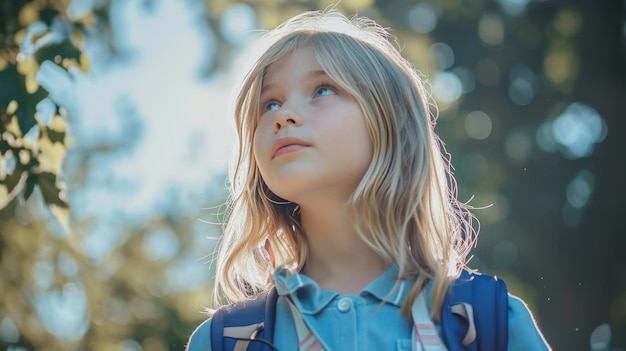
307, 341
425, 336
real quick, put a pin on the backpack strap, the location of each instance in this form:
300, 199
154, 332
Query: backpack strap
474, 317
475, 314
246, 325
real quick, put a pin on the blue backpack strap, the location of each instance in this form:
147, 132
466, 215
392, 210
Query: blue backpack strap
475, 314
236, 325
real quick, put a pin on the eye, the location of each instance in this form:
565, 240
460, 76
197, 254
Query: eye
271, 106
324, 91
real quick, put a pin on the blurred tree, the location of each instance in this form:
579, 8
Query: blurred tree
33, 142
55, 296
34, 139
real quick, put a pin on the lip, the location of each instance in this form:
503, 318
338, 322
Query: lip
285, 145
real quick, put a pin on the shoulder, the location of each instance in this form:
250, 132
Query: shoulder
200, 339
237, 320
493, 307
480, 290
523, 331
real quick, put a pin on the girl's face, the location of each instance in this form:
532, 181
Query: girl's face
311, 139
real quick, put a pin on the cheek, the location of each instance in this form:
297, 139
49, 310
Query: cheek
256, 146
353, 133
361, 137
260, 148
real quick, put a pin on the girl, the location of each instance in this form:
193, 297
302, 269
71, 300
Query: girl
343, 199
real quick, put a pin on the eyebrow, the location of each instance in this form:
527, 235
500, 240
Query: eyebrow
311, 74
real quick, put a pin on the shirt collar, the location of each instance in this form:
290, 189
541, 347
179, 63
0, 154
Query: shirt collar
309, 298
388, 287
303, 291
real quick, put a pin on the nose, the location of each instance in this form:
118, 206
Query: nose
286, 116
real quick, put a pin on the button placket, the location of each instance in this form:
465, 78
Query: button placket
344, 304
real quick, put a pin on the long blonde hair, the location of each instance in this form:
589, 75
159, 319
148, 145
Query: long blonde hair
405, 207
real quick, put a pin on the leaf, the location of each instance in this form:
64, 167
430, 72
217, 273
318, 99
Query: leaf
51, 155
57, 130
13, 180
65, 49
12, 107
8, 192
57, 137
52, 191
48, 14
13, 127
30, 185
58, 125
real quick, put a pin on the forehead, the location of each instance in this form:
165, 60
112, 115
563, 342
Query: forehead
296, 62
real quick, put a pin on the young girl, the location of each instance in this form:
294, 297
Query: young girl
343, 199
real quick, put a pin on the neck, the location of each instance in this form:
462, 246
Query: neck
338, 259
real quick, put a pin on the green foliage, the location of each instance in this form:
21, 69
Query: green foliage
32, 147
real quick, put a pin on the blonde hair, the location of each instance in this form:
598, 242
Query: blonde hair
404, 208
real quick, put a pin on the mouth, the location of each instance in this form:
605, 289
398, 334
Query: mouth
287, 145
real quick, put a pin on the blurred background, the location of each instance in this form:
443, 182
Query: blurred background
115, 135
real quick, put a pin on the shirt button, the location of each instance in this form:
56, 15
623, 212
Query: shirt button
344, 304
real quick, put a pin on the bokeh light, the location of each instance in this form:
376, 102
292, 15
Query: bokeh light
575, 132
491, 29
238, 24
447, 87
467, 77
478, 125
423, 17
161, 244
522, 84
561, 66
601, 337
63, 312
442, 55
513, 7
518, 144
579, 190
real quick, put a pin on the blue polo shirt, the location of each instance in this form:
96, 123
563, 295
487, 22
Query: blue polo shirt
370, 321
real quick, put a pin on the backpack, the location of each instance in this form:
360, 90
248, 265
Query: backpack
474, 317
